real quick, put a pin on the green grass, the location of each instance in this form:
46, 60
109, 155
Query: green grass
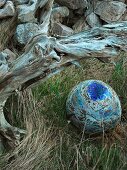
63, 147
119, 82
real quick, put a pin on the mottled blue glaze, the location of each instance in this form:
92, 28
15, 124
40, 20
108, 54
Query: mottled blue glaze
97, 91
93, 106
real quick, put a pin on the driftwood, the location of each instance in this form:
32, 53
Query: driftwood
45, 56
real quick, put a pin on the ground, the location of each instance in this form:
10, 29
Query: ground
52, 142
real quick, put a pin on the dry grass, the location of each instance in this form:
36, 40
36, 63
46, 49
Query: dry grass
37, 145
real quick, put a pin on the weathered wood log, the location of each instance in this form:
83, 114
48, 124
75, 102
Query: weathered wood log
45, 55
106, 41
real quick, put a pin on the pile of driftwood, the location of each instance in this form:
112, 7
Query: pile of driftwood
49, 36
67, 17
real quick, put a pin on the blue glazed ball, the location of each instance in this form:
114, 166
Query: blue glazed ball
93, 106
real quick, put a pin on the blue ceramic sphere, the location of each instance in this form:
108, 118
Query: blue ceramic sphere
93, 106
